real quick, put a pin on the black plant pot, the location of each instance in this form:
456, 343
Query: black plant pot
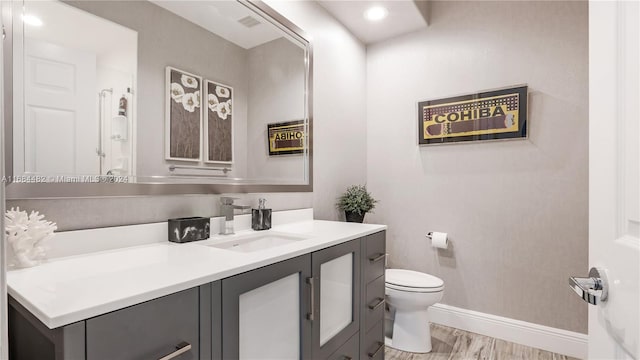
354, 217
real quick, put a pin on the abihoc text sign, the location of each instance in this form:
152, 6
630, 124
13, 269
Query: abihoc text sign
286, 138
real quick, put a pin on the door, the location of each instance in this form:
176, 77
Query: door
167, 328
614, 162
336, 276
4, 341
60, 125
266, 313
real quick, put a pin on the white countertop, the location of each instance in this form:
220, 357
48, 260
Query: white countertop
70, 289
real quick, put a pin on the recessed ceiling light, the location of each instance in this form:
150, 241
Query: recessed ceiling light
376, 13
31, 20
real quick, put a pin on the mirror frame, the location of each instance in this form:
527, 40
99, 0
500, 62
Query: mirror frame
15, 191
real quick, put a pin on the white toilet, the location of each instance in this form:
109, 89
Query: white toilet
409, 295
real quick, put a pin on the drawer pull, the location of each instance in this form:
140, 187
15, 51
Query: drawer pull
312, 295
375, 353
380, 303
347, 357
377, 258
181, 348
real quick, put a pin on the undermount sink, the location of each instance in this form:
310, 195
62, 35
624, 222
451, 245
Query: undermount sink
258, 242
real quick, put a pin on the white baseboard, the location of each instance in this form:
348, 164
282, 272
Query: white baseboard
521, 332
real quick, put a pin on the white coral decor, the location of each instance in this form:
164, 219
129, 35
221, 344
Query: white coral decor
27, 235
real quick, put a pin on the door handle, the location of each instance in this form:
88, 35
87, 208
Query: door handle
375, 353
377, 305
593, 289
181, 348
377, 258
312, 294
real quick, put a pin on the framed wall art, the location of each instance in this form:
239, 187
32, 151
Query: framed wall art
183, 116
486, 115
286, 138
218, 122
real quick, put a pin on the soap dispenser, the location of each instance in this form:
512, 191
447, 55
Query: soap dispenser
261, 217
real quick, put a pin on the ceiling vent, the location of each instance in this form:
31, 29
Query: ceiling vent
249, 21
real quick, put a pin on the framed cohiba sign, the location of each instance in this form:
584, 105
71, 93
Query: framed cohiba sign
218, 122
183, 116
286, 138
487, 115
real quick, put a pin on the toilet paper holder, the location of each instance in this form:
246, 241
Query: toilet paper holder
438, 239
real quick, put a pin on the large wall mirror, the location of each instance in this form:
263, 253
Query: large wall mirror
155, 97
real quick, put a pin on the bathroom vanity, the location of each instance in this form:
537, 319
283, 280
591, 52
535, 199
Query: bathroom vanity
304, 290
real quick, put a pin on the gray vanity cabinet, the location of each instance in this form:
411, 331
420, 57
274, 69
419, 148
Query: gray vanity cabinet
151, 330
170, 327
336, 276
30, 339
348, 351
266, 312
309, 307
373, 299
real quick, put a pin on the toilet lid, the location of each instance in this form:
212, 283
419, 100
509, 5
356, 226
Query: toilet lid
412, 279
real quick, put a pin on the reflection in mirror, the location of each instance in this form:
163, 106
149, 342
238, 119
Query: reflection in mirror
158, 91
77, 88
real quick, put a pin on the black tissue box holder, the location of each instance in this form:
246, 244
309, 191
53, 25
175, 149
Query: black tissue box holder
188, 229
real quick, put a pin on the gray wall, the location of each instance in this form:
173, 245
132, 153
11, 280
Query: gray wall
165, 39
516, 211
276, 94
339, 129
339, 159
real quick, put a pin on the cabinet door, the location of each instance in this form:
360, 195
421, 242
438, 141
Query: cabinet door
372, 348
373, 298
265, 312
151, 330
350, 350
336, 275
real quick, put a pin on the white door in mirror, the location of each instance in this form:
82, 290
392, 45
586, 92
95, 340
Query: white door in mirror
614, 185
60, 125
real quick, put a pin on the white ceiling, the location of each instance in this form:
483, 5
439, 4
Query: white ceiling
221, 18
404, 16
68, 26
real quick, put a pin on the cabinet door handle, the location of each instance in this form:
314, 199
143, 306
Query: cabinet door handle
377, 258
312, 294
181, 348
380, 303
373, 354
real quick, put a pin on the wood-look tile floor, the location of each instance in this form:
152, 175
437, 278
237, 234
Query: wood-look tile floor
454, 344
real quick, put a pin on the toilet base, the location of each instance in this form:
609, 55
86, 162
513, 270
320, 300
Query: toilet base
411, 331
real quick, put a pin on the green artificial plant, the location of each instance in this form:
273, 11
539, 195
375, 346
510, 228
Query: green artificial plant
356, 200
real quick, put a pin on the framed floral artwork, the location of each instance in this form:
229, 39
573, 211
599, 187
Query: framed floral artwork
218, 125
183, 116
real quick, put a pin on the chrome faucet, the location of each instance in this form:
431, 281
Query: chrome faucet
227, 208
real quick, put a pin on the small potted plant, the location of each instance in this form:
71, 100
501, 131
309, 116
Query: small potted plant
356, 202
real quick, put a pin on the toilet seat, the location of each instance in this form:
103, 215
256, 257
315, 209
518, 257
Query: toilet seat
413, 289
412, 281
